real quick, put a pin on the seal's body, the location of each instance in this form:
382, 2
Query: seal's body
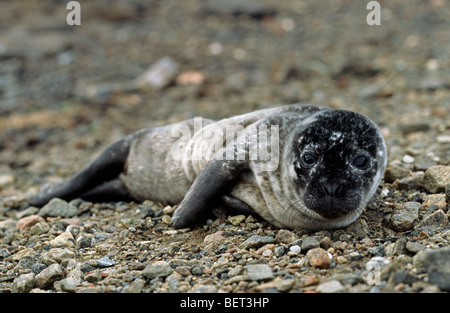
297, 166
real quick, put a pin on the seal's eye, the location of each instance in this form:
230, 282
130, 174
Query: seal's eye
361, 162
308, 160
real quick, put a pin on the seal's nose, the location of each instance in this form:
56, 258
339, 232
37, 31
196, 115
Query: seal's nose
333, 189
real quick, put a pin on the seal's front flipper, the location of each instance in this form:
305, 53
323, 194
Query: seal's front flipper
103, 169
212, 179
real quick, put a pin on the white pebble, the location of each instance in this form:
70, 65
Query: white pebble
408, 159
295, 249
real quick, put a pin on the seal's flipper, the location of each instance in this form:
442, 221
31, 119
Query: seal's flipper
213, 178
113, 190
103, 169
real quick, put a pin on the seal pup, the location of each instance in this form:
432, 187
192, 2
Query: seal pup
316, 168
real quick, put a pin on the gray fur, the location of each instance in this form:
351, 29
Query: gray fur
208, 166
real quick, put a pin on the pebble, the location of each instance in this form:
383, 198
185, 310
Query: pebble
279, 284
159, 74
215, 237
57, 207
435, 178
295, 249
158, 269
318, 257
405, 216
105, 262
414, 247
285, 236
64, 240
23, 283
4, 253
28, 222
435, 262
435, 202
435, 220
256, 241
49, 275
358, 228
39, 228
310, 243
236, 220
259, 272
331, 286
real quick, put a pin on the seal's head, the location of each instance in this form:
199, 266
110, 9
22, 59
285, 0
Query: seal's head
339, 161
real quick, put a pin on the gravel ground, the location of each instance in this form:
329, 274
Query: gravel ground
66, 92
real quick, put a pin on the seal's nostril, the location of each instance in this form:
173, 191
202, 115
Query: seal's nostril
333, 189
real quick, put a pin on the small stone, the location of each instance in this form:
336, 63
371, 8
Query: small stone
285, 236
23, 253
23, 283
266, 250
358, 228
93, 277
49, 275
402, 276
168, 210
408, 159
60, 254
330, 287
414, 181
432, 260
105, 262
279, 251
215, 237
37, 267
6, 179
325, 243
295, 249
28, 222
405, 215
146, 211
83, 242
158, 75
394, 172
434, 220
256, 241
279, 284
435, 262
442, 280
39, 228
183, 270
57, 207
4, 253
436, 177
310, 243
236, 220
259, 272
318, 257
65, 240
166, 219
157, 269
435, 202
310, 281
414, 247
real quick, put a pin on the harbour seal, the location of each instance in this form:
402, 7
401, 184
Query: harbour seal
296, 166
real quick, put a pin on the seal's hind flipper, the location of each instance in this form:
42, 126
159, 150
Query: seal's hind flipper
113, 190
105, 168
212, 179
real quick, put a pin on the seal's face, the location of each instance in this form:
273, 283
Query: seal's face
336, 164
